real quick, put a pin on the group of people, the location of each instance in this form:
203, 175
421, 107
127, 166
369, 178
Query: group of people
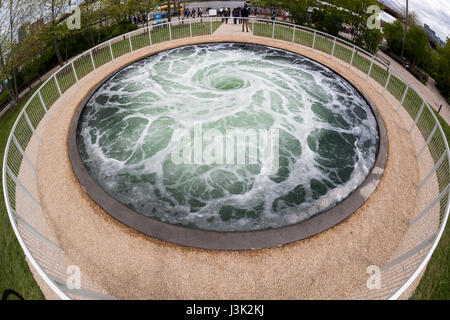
237, 14
192, 12
224, 13
139, 19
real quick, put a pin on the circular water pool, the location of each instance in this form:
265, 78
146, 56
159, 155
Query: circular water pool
226, 138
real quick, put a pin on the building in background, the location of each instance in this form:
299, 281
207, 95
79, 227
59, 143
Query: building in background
433, 35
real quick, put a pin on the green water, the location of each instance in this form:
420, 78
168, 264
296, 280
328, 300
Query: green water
228, 137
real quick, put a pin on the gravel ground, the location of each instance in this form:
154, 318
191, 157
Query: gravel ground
128, 265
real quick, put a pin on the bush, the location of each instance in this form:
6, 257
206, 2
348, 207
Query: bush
443, 73
121, 28
393, 33
327, 21
73, 44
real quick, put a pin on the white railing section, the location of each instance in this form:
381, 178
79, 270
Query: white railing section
20, 167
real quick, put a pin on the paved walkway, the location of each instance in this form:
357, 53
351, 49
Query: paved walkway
231, 29
428, 92
128, 265
33, 85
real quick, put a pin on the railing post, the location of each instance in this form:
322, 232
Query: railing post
110, 49
131, 45
43, 103
314, 39
430, 137
417, 118
430, 206
387, 81
334, 46
24, 155
437, 165
403, 98
353, 56
74, 72
57, 86
210, 25
273, 29
11, 174
170, 31
190, 28
293, 35
31, 127
253, 26
149, 36
92, 60
370, 69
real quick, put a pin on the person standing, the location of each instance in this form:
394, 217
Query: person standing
200, 14
227, 14
245, 13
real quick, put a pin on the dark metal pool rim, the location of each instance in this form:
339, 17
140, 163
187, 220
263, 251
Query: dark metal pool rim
234, 240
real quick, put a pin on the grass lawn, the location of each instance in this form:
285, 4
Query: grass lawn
435, 283
14, 271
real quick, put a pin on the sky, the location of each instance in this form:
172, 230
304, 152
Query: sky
435, 13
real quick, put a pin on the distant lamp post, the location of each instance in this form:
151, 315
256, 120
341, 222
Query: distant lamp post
406, 30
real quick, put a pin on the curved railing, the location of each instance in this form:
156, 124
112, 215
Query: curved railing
20, 160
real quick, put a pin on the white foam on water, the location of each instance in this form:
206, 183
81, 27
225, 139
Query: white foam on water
224, 86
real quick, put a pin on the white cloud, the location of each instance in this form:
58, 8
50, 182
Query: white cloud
435, 13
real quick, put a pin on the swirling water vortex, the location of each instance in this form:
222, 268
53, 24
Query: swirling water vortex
328, 136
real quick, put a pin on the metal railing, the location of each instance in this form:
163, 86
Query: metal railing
20, 160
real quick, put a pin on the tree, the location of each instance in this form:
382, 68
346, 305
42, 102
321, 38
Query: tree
417, 47
17, 44
443, 72
355, 13
393, 33
299, 10
372, 39
413, 19
328, 20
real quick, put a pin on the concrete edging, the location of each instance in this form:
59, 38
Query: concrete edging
239, 240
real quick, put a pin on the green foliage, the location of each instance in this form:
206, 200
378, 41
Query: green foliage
299, 11
419, 53
393, 33
443, 72
328, 19
121, 28
371, 39
417, 48
3, 98
73, 44
14, 271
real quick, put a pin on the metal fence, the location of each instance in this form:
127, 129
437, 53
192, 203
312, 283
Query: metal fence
20, 160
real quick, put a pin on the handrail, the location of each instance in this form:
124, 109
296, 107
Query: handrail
149, 29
